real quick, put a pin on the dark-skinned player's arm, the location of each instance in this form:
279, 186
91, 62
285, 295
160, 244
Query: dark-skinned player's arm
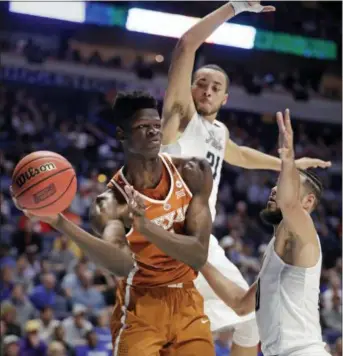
111, 252
249, 158
296, 219
191, 247
240, 300
178, 106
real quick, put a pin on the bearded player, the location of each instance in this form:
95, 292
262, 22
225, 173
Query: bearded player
286, 293
190, 128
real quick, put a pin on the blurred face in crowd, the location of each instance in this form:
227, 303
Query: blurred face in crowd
209, 91
59, 333
18, 292
49, 281
12, 349
79, 319
33, 338
272, 214
102, 319
92, 339
47, 315
86, 279
6, 274
56, 349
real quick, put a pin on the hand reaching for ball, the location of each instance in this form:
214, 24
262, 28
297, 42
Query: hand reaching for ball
52, 219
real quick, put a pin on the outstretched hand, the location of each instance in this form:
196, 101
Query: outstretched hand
255, 6
286, 150
250, 6
51, 219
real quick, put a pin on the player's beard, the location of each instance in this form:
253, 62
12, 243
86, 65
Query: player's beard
210, 112
271, 217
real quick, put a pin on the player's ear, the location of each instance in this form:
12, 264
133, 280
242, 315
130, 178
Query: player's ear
120, 134
309, 201
225, 99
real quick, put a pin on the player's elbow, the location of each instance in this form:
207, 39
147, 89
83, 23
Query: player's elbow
123, 270
200, 257
186, 44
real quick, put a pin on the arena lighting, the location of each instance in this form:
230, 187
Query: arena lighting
172, 25
67, 11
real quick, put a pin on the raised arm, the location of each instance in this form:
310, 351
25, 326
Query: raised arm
178, 106
288, 195
240, 300
249, 158
192, 246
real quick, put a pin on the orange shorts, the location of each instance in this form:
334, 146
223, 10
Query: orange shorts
160, 321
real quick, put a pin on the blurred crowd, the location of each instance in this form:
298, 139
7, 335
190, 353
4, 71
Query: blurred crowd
54, 301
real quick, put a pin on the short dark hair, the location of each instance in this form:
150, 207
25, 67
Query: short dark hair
127, 104
313, 184
219, 69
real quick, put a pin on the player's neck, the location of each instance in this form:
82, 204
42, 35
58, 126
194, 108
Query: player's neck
143, 173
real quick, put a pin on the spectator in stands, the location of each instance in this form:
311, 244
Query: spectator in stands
87, 294
56, 349
61, 257
44, 294
102, 330
24, 308
10, 345
59, 336
6, 282
76, 326
31, 344
47, 324
24, 238
333, 319
92, 346
5, 256
71, 281
8, 315
104, 282
24, 273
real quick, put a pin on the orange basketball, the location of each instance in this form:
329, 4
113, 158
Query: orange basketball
44, 183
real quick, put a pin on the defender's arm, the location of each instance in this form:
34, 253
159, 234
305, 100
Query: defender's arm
178, 105
240, 300
296, 219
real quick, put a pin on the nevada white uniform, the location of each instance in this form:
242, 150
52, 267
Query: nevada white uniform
208, 140
287, 307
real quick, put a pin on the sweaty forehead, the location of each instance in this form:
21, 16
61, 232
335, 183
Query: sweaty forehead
210, 75
146, 114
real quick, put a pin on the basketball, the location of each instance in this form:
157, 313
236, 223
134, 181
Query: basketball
44, 183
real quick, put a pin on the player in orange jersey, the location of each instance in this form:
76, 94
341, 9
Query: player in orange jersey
155, 224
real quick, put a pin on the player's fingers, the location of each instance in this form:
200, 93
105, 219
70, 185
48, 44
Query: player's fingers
280, 121
268, 9
288, 124
128, 191
324, 164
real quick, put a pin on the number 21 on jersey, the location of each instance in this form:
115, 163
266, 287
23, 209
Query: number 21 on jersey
214, 163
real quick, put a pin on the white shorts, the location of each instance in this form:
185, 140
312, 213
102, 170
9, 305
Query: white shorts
220, 315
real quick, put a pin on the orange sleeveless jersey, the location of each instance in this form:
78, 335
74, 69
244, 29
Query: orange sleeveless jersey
153, 268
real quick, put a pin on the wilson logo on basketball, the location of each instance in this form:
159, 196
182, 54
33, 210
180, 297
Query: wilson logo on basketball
32, 172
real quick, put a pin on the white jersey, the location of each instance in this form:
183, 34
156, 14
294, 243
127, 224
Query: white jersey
287, 307
203, 139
